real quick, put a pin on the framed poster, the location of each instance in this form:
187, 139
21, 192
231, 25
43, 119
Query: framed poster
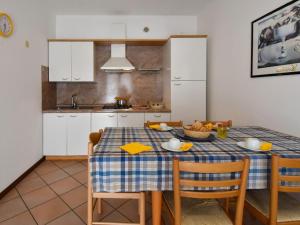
275, 48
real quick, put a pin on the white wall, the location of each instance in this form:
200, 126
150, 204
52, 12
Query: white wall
271, 102
20, 89
97, 26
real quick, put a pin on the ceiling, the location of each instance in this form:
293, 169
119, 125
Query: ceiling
125, 7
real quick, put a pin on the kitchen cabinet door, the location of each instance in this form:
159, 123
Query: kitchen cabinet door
131, 119
157, 117
188, 58
188, 101
60, 61
78, 130
102, 120
54, 134
82, 61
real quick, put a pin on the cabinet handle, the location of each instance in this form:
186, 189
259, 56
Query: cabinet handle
157, 116
73, 116
76, 78
177, 78
177, 84
60, 116
123, 115
65, 78
111, 115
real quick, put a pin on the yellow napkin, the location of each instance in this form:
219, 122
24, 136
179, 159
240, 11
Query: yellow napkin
135, 148
186, 146
155, 127
266, 146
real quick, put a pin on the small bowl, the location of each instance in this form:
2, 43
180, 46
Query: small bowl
195, 134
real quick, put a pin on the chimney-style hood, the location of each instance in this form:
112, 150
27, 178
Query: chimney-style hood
118, 61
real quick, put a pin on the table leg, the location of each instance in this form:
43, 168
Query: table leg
156, 207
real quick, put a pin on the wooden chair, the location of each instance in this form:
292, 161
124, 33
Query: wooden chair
276, 207
169, 123
227, 123
189, 210
140, 196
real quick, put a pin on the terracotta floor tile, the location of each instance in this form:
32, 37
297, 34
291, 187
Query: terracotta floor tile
73, 169
46, 168
84, 162
64, 185
49, 211
76, 197
38, 196
21, 219
30, 176
10, 195
116, 203
67, 219
28, 186
64, 163
11, 208
106, 209
81, 211
130, 210
115, 217
54, 176
81, 176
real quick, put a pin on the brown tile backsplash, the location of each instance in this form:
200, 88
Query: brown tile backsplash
48, 90
140, 86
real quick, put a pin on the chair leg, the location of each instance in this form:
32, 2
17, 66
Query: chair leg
142, 210
99, 206
89, 206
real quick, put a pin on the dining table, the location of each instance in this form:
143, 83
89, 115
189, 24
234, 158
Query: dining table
115, 170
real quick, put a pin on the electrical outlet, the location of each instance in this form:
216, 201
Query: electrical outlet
27, 44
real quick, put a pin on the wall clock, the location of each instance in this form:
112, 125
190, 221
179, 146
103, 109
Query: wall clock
6, 25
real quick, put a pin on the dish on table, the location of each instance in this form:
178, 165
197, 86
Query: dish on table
165, 145
242, 144
180, 134
198, 130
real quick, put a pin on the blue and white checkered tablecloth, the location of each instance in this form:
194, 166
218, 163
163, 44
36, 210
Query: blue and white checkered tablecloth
114, 170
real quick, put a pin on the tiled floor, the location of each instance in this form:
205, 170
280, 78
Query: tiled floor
55, 193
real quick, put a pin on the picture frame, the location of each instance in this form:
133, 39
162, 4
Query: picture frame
275, 42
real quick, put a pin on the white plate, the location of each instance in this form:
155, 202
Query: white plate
165, 146
242, 144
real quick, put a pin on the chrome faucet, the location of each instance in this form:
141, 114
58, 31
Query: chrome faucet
74, 102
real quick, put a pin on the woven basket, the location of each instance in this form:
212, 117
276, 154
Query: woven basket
195, 134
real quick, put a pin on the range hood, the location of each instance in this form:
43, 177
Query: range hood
118, 61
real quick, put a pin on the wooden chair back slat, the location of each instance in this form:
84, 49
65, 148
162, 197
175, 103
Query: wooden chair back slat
223, 183
207, 195
227, 123
169, 123
238, 191
95, 137
227, 167
290, 178
288, 189
289, 163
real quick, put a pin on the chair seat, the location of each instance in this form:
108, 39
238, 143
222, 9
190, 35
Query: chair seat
288, 207
198, 211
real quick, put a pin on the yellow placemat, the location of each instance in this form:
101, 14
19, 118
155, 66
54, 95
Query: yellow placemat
135, 148
266, 146
155, 127
186, 146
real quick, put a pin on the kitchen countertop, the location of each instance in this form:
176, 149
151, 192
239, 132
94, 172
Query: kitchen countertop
100, 110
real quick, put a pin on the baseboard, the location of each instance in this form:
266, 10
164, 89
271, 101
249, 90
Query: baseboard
68, 157
13, 184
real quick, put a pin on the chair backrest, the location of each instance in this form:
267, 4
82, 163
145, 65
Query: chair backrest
94, 137
226, 186
278, 182
169, 123
227, 123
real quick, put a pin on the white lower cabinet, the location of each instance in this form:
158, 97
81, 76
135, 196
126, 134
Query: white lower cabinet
102, 120
131, 119
65, 133
54, 134
78, 130
157, 117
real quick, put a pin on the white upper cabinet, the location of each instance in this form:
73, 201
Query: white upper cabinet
82, 61
188, 101
78, 130
60, 65
188, 58
131, 119
54, 134
102, 120
71, 61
